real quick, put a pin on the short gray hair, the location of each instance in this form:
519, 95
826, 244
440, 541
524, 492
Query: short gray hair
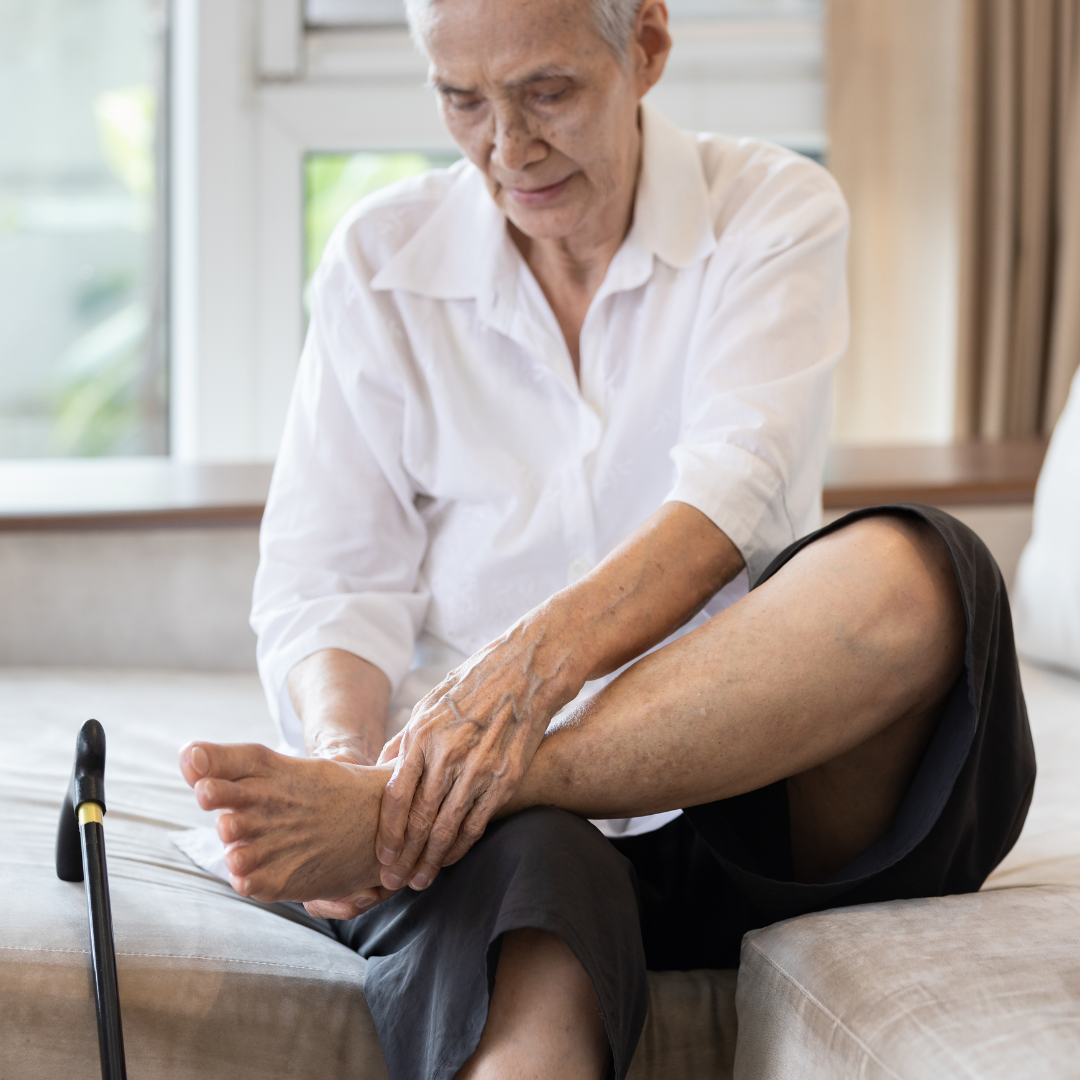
614, 21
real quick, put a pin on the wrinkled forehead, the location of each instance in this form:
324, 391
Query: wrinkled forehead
509, 42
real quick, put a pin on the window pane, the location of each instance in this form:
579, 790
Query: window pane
82, 331
354, 12
383, 12
744, 9
334, 182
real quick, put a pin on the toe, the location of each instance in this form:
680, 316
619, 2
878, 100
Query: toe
241, 859
228, 794
199, 760
233, 826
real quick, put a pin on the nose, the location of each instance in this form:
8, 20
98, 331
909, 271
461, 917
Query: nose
515, 146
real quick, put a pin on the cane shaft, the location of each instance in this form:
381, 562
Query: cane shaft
102, 951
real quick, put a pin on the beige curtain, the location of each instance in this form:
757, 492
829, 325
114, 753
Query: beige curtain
1019, 305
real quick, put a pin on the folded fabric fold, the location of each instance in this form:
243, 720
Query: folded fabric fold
204, 848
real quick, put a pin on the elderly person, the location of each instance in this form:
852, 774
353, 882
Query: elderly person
560, 405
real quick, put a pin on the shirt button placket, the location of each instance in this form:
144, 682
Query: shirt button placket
582, 531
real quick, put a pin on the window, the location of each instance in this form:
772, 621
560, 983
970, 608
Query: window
335, 182
82, 239
323, 13
283, 111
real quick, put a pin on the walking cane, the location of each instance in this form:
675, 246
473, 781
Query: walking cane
80, 855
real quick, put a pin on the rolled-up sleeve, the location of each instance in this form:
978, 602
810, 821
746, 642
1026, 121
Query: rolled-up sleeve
772, 324
342, 541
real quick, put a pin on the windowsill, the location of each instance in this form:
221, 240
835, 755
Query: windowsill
159, 493
954, 474
122, 493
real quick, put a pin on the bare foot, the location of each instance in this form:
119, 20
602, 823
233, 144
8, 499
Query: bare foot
294, 828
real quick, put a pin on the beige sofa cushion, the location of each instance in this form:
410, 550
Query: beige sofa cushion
211, 986
1048, 851
978, 986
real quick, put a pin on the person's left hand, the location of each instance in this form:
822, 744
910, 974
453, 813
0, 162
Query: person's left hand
349, 907
465, 749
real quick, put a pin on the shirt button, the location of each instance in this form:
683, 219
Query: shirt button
580, 567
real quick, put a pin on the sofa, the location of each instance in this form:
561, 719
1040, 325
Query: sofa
214, 986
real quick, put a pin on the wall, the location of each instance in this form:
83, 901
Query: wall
179, 598
157, 598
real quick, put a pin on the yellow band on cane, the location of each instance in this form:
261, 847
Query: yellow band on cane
90, 811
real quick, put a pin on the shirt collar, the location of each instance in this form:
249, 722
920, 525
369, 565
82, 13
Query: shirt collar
463, 248
671, 210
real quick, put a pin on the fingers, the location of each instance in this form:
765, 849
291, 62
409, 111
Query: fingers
472, 829
391, 750
461, 822
199, 760
334, 909
397, 803
427, 801
348, 907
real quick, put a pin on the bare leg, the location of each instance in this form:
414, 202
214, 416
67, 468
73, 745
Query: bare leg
831, 674
543, 1020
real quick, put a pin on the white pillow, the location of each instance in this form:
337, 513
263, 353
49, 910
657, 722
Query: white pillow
1046, 602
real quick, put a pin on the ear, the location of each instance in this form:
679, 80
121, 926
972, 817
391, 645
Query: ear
650, 44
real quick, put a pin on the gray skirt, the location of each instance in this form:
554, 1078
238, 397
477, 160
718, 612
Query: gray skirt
683, 896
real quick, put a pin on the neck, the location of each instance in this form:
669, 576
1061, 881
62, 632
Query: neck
580, 260
571, 269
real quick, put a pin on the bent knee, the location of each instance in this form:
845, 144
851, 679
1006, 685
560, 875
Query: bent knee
555, 845
908, 573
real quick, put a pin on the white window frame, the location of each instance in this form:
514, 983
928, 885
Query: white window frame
253, 93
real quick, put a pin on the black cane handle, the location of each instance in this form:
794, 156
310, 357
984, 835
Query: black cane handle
80, 855
87, 785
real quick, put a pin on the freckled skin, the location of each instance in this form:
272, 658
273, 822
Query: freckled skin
831, 675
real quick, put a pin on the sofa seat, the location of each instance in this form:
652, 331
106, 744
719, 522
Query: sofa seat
980, 986
212, 986
215, 986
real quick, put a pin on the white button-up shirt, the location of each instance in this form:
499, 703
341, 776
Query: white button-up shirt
443, 470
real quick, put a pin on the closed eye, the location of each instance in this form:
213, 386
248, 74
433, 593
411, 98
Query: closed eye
462, 102
551, 99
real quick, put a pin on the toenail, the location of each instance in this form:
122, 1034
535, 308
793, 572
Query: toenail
420, 881
199, 761
393, 881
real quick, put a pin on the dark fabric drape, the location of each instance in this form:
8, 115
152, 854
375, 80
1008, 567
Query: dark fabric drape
1019, 316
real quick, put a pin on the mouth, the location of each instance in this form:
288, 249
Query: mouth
540, 196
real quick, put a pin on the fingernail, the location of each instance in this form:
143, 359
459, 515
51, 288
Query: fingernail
420, 881
386, 856
393, 881
199, 761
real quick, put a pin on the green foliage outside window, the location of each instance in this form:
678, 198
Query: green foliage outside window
335, 182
